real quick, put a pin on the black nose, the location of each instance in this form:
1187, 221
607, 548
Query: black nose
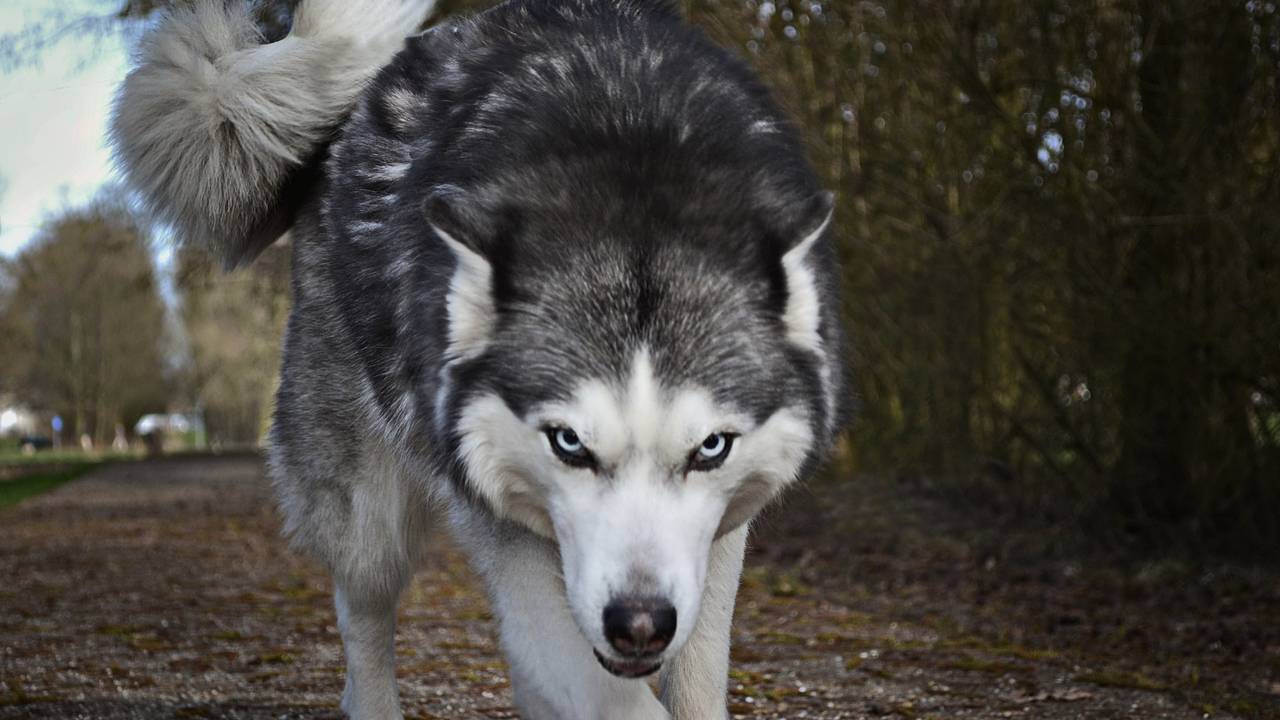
639, 626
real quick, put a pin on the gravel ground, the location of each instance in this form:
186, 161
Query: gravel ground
161, 589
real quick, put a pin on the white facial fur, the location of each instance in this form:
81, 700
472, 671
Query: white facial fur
640, 525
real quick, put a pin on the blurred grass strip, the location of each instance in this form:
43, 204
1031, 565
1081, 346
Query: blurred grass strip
15, 491
13, 457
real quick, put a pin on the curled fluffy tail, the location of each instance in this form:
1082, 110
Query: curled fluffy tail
214, 124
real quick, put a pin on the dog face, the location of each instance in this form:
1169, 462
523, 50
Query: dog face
633, 481
633, 396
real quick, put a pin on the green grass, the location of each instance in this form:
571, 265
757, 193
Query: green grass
14, 491
15, 456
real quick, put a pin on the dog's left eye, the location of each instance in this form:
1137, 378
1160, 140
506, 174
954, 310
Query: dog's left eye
712, 452
567, 446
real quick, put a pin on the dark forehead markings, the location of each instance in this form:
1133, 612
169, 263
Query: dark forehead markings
544, 350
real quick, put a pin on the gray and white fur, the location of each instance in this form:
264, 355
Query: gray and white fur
213, 122
562, 278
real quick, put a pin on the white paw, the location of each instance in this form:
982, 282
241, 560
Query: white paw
361, 708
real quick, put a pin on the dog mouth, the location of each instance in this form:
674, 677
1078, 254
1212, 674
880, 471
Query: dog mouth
628, 668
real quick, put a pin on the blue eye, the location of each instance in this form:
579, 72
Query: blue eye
714, 446
567, 440
567, 446
712, 452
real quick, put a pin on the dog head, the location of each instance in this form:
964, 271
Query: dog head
633, 390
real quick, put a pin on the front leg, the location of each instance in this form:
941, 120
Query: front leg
696, 681
554, 673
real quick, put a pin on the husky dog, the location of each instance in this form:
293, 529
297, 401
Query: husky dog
560, 269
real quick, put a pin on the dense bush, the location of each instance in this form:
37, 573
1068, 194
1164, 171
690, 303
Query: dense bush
1061, 231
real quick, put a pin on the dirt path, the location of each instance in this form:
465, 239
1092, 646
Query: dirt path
161, 590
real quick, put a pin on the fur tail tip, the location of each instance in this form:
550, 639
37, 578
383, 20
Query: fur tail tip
214, 126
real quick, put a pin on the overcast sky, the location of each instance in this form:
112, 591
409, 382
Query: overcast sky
53, 118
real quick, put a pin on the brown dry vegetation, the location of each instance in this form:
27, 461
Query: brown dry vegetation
160, 589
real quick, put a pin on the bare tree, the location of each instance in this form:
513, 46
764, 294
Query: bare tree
86, 321
233, 325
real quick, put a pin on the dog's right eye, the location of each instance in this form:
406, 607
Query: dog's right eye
567, 446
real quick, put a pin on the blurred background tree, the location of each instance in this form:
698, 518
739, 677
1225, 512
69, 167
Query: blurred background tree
1061, 231
84, 322
233, 324
1060, 227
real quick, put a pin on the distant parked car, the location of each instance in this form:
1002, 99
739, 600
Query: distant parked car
30, 443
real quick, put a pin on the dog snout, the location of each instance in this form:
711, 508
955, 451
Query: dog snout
639, 626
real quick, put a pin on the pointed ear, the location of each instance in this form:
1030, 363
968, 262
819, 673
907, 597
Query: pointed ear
462, 215
470, 303
802, 315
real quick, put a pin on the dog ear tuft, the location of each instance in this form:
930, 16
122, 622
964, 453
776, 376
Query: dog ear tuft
452, 212
802, 314
809, 217
470, 303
